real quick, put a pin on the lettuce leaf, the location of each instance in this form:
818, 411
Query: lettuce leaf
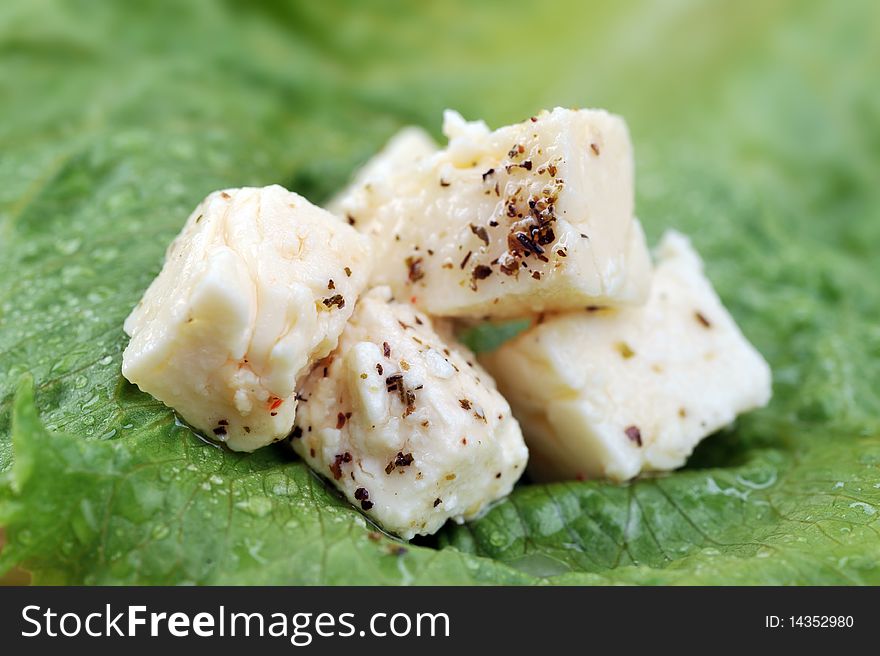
757, 130
159, 507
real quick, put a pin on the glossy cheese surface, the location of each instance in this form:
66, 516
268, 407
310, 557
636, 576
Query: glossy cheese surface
407, 424
532, 217
612, 393
257, 286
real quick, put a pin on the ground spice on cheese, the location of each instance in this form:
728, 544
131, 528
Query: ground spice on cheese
634, 434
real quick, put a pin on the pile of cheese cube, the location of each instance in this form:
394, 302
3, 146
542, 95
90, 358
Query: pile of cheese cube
333, 329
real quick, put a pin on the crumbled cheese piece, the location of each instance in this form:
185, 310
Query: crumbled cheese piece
257, 287
611, 393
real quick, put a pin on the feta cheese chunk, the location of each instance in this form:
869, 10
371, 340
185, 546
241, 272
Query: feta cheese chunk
374, 182
257, 287
529, 218
612, 393
408, 426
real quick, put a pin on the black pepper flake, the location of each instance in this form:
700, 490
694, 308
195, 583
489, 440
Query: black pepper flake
508, 265
247, 429
545, 235
481, 233
409, 398
443, 183
414, 266
403, 459
336, 467
331, 284
536, 275
633, 433
336, 300
351, 220
393, 382
465, 404
219, 430
363, 495
340, 421
296, 433
527, 243
347, 272
465, 260
437, 501
595, 149
487, 174
379, 368
527, 165
498, 475
561, 252
386, 349
481, 271
366, 505
702, 319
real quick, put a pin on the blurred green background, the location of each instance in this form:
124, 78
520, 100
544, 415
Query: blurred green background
756, 127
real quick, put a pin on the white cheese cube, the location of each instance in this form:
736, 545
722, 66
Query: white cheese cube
529, 218
408, 426
374, 182
611, 393
257, 287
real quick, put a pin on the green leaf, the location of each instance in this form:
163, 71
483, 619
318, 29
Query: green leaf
757, 128
160, 507
806, 516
